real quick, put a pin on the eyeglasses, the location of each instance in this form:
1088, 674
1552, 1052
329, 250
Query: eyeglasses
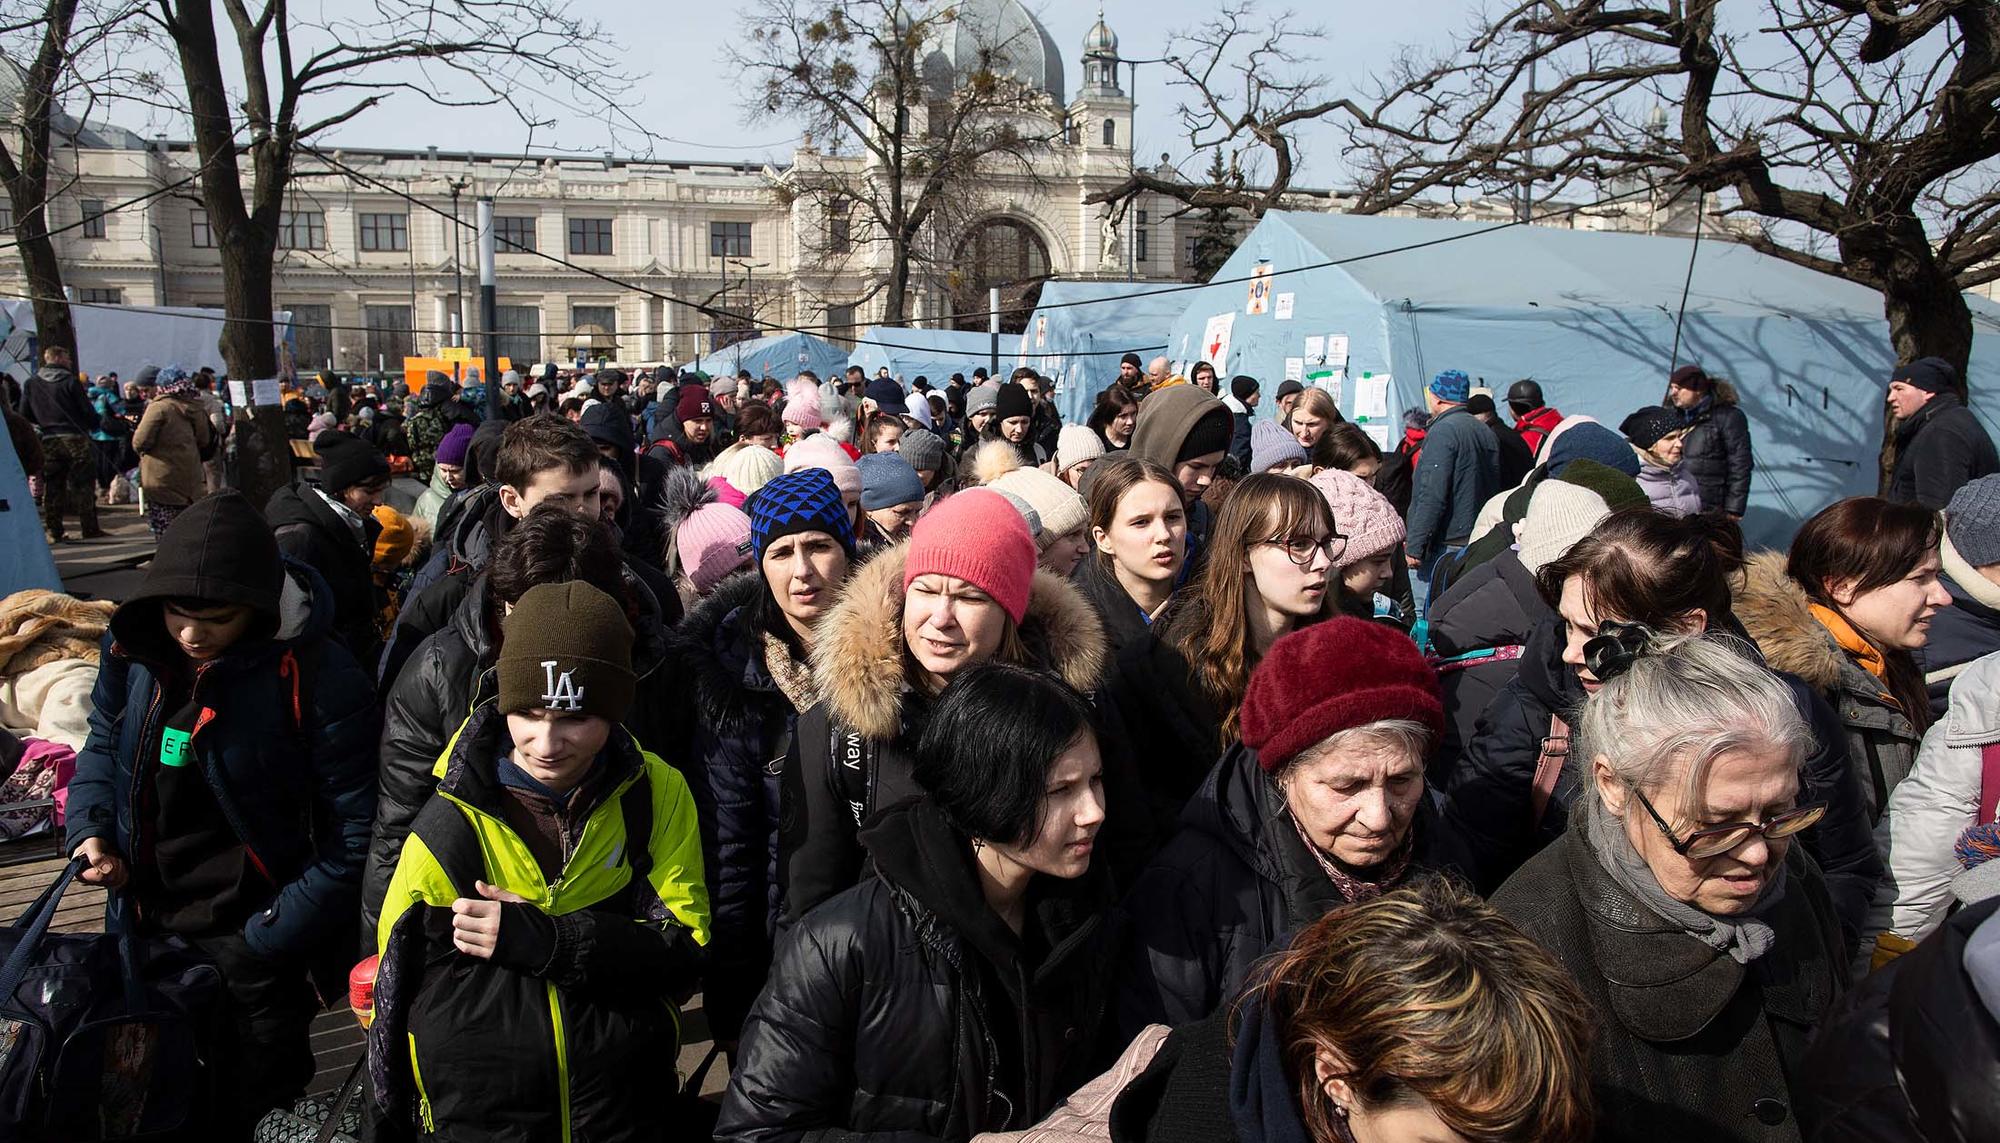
1301, 549
1716, 840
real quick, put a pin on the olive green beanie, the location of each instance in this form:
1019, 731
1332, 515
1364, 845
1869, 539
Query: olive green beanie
567, 647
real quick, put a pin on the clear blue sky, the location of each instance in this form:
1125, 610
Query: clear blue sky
689, 95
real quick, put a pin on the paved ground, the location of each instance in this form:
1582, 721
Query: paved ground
110, 568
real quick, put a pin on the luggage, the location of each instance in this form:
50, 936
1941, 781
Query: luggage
104, 1036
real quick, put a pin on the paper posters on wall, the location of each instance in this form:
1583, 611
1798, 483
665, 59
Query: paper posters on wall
1336, 350
1334, 382
1295, 368
1215, 341
1316, 350
1284, 308
1371, 397
264, 391
1260, 290
1378, 431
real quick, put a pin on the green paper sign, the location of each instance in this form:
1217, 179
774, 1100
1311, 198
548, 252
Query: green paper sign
174, 747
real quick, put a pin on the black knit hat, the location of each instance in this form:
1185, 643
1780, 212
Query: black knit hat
1931, 374
1210, 434
1241, 386
1132, 359
566, 647
345, 461
1645, 427
1013, 401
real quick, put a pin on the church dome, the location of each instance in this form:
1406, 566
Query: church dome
1003, 31
1100, 40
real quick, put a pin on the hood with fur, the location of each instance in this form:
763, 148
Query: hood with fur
1773, 608
858, 655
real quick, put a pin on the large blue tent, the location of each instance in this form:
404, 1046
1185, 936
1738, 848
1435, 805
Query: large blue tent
932, 353
1080, 329
780, 355
1591, 315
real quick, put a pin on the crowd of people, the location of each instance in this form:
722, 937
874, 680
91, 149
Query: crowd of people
1184, 774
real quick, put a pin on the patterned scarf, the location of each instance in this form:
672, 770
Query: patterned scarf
794, 679
1350, 887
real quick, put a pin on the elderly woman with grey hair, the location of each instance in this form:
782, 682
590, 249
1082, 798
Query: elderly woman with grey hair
1702, 934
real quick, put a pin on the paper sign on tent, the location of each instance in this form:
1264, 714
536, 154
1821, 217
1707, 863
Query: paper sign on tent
1260, 290
1284, 308
1295, 368
1378, 431
1316, 350
1215, 341
1371, 397
1041, 332
1336, 350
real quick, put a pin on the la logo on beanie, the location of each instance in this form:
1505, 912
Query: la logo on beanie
562, 694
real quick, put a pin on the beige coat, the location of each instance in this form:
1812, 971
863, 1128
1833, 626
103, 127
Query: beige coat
169, 440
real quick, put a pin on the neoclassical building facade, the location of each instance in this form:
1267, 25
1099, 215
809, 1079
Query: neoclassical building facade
373, 267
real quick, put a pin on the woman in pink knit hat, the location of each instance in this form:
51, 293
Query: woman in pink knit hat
963, 589
1367, 565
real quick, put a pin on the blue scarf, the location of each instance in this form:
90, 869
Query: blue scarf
512, 775
1264, 1103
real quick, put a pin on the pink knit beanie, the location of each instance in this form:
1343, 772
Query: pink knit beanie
712, 542
976, 536
824, 452
1360, 513
802, 406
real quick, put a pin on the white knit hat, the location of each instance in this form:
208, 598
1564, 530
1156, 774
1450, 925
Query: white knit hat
1559, 516
748, 467
1075, 444
1061, 510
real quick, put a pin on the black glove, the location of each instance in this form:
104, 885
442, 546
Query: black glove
527, 940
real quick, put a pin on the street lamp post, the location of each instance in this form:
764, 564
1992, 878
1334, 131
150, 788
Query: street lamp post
458, 260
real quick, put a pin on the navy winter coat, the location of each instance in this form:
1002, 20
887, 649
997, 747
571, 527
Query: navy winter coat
1458, 472
289, 752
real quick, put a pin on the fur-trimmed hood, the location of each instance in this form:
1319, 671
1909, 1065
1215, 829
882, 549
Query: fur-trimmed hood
858, 655
1774, 609
731, 686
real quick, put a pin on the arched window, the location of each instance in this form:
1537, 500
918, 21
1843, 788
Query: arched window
1072, 133
999, 252
1111, 132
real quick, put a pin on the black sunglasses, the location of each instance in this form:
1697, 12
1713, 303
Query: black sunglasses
1716, 840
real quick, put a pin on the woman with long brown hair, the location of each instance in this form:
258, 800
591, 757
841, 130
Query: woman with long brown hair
1844, 611
1138, 525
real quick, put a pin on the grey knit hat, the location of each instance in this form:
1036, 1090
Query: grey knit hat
981, 397
1972, 520
923, 449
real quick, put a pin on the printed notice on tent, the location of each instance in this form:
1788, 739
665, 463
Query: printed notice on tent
1215, 341
1331, 380
1295, 369
1378, 431
264, 391
1284, 308
1041, 332
1260, 290
1336, 350
1316, 350
1371, 397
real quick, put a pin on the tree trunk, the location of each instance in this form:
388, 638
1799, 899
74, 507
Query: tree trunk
899, 283
263, 454
45, 280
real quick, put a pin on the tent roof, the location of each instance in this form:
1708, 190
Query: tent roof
932, 353
779, 355
1514, 267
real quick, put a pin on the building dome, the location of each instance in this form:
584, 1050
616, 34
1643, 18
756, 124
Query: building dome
1100, 40
1001, 31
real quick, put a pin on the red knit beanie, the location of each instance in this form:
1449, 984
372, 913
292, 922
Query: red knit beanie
1335, 676
979, 537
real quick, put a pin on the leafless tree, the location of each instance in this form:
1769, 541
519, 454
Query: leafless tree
1249, 83
902, 139
1859, 135
77, 53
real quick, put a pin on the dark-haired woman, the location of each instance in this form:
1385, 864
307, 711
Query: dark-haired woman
1322, 803
964, 589
959, 988
452, 670
1177, 700
1417, 1016
1843, 611
744, 657
1114, 416
1512, 793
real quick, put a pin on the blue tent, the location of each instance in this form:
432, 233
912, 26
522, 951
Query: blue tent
1591, 315
25, 559
779, 355
932, 353
1079, 344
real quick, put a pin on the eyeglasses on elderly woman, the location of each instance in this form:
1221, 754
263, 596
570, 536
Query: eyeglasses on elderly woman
1713, 841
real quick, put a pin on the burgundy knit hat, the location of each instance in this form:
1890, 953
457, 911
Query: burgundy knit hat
977, 536
1335, 676
694, 403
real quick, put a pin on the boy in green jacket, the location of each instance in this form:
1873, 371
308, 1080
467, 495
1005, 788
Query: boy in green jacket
532, 961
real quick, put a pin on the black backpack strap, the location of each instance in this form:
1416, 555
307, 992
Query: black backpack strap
448, 834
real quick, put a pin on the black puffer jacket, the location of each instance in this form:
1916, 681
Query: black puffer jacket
1914, 1051
311, 532
1717, 451
1491, 806
450, 673
738, 728
1690, 1044
1154, 711
1480, 629
1235, 879
904, 1009
853, 750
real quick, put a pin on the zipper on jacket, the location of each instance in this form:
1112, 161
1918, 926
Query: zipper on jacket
137, 797
423, 1097
562, 1058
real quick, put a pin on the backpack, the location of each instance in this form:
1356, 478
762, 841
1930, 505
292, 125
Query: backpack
105, 1036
